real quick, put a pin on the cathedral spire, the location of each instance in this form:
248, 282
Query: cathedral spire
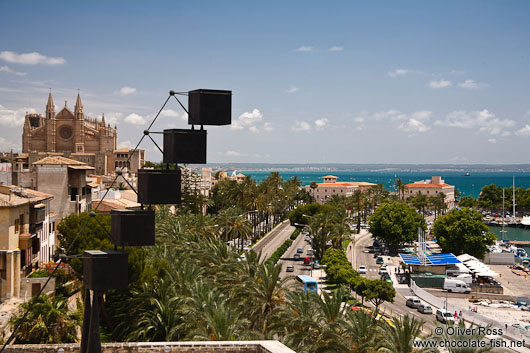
103, 119
78, 110
50, 107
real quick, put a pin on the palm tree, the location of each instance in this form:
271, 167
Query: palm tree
399, 336
360, 331
48, 321
313, 187
358, 205
399, 186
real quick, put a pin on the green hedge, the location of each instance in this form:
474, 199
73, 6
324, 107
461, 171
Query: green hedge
283, 248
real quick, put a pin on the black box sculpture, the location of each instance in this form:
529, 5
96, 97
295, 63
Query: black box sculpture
132, 227
105, 269
184, 146
209, 107
159, 186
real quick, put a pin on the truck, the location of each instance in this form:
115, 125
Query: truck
457, 286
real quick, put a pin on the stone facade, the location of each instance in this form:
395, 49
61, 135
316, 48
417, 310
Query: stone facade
24, 222
324, 191
76, 136
431, 188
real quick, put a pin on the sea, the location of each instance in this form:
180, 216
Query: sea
466, 185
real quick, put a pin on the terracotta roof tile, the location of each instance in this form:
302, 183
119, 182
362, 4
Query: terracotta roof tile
58, 160
413, 185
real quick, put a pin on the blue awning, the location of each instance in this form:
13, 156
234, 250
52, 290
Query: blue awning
435, 259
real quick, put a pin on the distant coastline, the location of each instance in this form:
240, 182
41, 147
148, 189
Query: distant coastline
463, 168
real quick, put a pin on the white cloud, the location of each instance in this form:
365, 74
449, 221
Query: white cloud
33, 58
482, 120
525, 131
127, 90
248, 118
291, 89
336, 48
126, 144
267, 156
14, 118
492, 140
301, 126
413, 125
170, 113
470, 84
320, 123
134, 119
398, 72
253, 129
422, 115
6, 145
268, 127
359, 119
234, 154
390, 114
7, 69
506, 133
305, 48
236, 125
440, 84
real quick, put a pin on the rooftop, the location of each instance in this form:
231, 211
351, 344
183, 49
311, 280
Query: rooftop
58, 160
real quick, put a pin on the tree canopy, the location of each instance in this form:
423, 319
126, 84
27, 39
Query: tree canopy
463, 231
396, 223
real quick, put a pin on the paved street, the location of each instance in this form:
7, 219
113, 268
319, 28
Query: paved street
273, 240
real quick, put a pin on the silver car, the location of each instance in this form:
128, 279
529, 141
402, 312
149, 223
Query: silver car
425, 309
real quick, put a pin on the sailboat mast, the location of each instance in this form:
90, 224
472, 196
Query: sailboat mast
503, 215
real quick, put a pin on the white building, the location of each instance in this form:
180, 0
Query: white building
324, 191
431, 188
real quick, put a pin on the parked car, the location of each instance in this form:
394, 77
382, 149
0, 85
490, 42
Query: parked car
444, 316
300, 251
296, 256
382, 270
309, 252
290, 268
386, 277
316, 265
379, 260
307, 238
413, 302
425, 309
362, 269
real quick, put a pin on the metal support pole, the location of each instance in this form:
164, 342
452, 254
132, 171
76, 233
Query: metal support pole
94, 341
86, 323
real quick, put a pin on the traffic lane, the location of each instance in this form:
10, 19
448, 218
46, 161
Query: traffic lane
276, 238
365, 257
288, 258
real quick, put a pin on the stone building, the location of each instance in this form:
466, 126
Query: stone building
76, 136
432, 188
324, 191
26, 229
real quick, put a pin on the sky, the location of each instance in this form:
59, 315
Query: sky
312, 81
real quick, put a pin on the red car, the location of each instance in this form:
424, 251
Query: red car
307, 261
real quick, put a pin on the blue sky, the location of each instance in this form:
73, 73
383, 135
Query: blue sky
344, 81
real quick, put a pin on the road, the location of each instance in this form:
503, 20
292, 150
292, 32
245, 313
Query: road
273, 240
362, 256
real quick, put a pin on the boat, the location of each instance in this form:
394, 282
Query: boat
525, 221
467, 174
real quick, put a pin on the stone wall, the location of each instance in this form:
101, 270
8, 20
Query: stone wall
161, 347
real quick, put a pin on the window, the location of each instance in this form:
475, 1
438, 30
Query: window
21, 223
73, 194
17, 225
83, 191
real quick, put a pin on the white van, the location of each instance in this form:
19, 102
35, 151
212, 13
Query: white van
444, 316
457, 286
466, 278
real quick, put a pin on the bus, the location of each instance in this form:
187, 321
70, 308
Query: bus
308, 282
